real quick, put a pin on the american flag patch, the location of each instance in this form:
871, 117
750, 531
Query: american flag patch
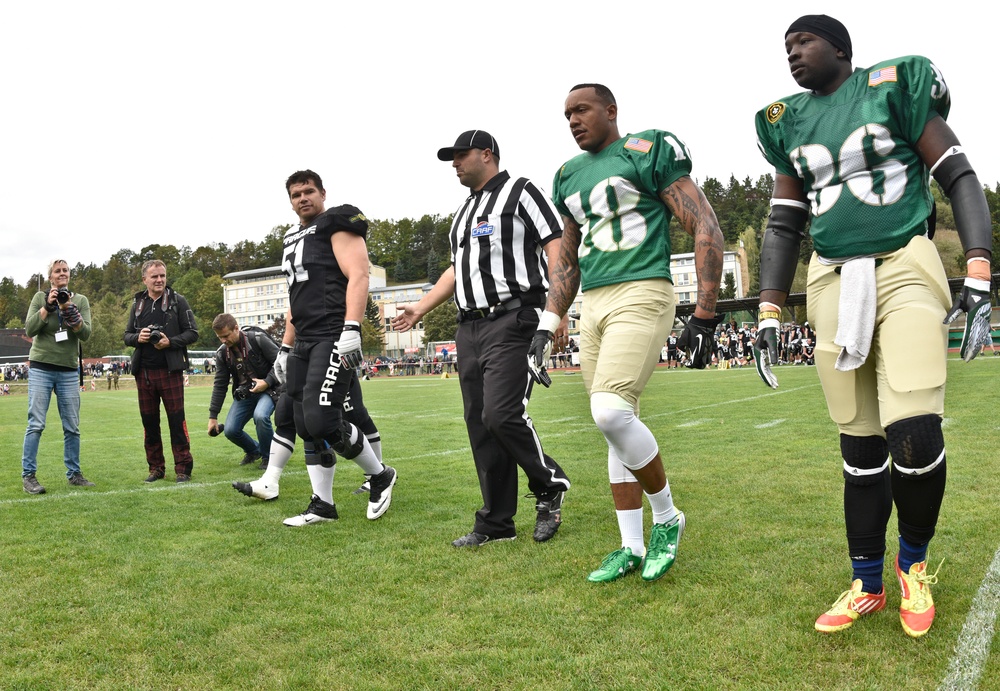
886, 74
636, 144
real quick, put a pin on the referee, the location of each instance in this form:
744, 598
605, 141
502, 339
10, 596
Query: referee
498, 277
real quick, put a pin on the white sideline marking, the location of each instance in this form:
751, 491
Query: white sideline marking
693, 423
730, 402
772, 423
157, 487
973, 645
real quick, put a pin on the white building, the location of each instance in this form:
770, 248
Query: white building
260, 296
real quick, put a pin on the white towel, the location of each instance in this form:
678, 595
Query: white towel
856, 318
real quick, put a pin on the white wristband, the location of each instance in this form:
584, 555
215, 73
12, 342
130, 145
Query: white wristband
769, 324
977, 284
549, 321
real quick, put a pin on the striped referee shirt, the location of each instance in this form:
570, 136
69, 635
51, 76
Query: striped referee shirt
496, 243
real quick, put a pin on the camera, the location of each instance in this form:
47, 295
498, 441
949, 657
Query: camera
219, 429
154, 333
242, 392
62, 296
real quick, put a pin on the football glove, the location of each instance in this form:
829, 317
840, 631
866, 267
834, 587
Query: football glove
974, 302
349, 348
697, 340
541, 348
281, 364
71, 315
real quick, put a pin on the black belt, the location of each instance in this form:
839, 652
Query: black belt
500, 309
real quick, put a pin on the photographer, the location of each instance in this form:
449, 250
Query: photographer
160, 327
245, 358
58, 320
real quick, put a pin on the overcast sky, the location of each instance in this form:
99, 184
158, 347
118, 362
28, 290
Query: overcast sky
131, 123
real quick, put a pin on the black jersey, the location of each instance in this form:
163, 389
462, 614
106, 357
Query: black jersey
317, 287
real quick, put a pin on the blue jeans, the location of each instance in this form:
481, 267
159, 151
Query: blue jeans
259, 406
66, 385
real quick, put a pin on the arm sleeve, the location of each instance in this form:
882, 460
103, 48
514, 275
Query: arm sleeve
131, 336
33, 322
83, 304
219, 385
186, 323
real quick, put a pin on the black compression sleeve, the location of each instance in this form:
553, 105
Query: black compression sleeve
779, 251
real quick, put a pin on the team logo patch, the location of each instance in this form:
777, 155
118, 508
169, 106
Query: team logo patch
357, 217
636, 144
482, 230
775, 111
886, 74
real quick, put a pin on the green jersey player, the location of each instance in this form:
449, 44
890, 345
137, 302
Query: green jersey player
852, 155
616, 200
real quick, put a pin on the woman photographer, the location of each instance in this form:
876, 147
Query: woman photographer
58, 320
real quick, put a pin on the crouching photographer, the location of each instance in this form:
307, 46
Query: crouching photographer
244, 361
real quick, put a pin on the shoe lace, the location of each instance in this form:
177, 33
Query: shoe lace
658, 540
923, 579
618, 558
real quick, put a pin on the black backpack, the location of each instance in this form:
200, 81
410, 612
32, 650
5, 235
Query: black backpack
257, 333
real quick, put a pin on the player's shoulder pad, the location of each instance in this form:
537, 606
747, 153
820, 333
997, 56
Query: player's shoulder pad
902, 70
343, 217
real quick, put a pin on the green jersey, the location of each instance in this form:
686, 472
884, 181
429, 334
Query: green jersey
614, 196
855, 151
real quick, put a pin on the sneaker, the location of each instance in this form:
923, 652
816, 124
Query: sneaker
616, 565
381, 492
916, 610
318, 511
663, 548
366, 486
251, 457
549, 516
475, 539
78, 480
31, 485
153, 477
181, 477
849, 607
258, 488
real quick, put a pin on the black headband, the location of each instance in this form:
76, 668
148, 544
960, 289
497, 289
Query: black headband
824, 27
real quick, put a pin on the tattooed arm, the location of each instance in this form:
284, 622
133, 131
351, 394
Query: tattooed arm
564, 274
688, 203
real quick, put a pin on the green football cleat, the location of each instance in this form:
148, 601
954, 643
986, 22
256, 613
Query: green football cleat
663, 548
616, 565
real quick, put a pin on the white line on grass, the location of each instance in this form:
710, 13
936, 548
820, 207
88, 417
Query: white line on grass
167, 487
973, 646
772, 423
693, 423
730, 402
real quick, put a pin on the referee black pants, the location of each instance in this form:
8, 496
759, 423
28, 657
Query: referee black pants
493, 374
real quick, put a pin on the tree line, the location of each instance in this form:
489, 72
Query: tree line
411, 250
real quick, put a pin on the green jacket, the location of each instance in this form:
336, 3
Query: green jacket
44, 347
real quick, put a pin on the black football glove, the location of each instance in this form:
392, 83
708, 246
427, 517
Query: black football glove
538, 355
697, 340
541, 348
974, 302
765, 346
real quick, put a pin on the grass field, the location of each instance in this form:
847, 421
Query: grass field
128, 585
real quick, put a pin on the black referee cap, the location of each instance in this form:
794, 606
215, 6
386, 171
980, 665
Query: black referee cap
473, 139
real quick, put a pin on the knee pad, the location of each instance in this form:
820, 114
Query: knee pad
865, 459
343, 444
617, 472
327, 458
631, 440
917, 446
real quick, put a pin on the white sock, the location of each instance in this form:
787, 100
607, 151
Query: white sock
630, 525
322, 481
281, 451
368, 461
376, 447
663, 505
